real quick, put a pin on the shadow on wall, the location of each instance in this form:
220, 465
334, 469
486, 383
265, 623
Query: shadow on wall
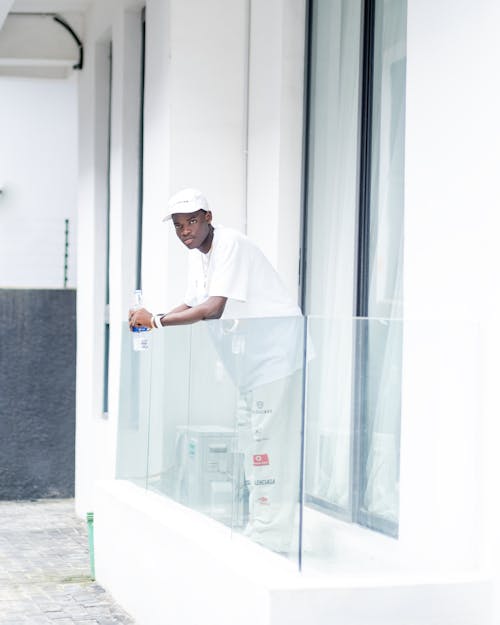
37, 393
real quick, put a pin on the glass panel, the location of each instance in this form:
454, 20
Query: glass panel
223, 402
380, 344
438, 369
354, 360
330, 415
204, 462
264, 359
347, 472
105, 103
332, 206
332, 173
169, 410
379, 404
133, 421
140, 151
387, 161
224, 407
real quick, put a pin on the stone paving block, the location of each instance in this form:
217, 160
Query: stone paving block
44, 568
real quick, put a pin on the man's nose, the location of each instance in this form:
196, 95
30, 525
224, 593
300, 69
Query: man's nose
185, 230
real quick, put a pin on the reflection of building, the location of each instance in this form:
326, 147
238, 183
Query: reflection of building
391, 202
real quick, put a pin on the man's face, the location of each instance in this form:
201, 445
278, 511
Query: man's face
193, 229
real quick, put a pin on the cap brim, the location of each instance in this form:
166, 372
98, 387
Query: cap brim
167, 217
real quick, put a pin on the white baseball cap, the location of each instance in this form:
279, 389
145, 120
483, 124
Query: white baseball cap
186, 201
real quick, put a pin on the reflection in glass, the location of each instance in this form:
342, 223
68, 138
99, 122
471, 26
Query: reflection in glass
133, 425
195, 426
223, 421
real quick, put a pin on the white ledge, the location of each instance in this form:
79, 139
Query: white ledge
165, 563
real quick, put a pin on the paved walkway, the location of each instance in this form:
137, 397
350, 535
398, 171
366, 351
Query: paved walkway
45, 571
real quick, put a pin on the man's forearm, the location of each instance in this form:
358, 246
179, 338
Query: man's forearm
181, 315
179, 308
184, 315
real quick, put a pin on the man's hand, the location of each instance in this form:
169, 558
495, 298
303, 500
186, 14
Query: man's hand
212, 308
139, 318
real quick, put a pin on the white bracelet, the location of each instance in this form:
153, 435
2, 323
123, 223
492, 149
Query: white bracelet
157, 321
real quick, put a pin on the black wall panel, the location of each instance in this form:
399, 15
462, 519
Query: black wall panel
37, 393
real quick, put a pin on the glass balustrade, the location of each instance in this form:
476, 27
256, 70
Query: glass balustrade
392, 461
213, 415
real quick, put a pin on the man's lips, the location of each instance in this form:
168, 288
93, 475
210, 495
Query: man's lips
188, 241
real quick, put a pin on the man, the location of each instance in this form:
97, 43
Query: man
230, 278
228, 275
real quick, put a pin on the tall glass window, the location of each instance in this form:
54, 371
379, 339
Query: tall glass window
104, 79
379, 349
332, 196
140, 162
354, 244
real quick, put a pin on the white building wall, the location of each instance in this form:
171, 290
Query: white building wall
197, 104
194, 127
275, 101
206, 106
451, 265
38, 182
448, 462
96, 432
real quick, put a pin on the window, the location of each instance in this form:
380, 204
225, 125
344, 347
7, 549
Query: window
103, 66
353, 257
140, 172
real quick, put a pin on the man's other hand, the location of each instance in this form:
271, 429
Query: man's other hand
140, 318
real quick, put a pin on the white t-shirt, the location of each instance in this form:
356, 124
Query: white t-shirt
255, 351
237, 269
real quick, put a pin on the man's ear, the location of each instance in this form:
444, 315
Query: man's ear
208, 217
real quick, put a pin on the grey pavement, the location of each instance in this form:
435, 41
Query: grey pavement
44, 568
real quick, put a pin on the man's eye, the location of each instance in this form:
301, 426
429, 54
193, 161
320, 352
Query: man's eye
193, 221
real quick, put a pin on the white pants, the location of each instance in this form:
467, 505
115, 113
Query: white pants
269, 428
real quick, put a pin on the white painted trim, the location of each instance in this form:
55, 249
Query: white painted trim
165, 563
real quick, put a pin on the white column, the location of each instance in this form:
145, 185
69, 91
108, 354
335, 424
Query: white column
277, 36
449, 452
195, 126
